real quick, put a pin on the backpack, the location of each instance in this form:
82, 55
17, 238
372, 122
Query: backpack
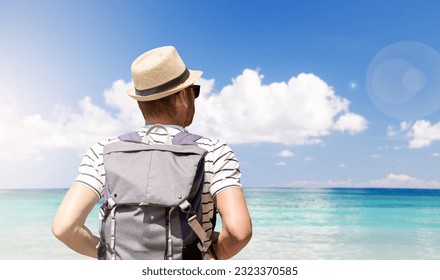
152, 205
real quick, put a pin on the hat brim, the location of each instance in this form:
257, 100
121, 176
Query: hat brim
194, 75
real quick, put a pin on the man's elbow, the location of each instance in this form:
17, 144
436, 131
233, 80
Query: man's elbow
247, 235
241, 235
61, 231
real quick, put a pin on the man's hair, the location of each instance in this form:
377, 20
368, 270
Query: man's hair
158, 108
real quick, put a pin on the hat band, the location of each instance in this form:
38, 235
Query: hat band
164, 87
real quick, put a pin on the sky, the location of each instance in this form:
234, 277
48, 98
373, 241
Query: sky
307, 93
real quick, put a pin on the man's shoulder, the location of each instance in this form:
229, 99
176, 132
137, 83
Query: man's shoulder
208, 141
98, 147
107, 141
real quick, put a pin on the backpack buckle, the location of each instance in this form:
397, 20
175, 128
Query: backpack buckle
186, 208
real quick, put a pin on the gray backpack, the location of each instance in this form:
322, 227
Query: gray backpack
153, 206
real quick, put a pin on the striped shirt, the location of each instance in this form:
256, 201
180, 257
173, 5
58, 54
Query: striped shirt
221, 168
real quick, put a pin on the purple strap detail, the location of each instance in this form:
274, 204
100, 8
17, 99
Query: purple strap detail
131, 137
185, 138
181, 138
106, 192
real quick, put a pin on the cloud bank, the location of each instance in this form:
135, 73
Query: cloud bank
28, 137
390, 181
404, 181
297, 112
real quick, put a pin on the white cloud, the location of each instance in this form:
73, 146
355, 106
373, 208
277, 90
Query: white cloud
351, 123
286, 154
128, 110
404, 127
436, 154
423, 133
281, 163
298, 112
391, 132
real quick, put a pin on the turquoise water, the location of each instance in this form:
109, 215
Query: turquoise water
307, 224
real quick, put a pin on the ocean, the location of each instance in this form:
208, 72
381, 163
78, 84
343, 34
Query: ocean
288, 224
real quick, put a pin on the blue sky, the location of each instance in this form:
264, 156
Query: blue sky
308, 93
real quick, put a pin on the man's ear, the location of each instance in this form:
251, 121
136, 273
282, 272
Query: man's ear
182, 99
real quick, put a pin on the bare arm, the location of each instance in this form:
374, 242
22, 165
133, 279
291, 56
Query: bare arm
68, 223
236, 223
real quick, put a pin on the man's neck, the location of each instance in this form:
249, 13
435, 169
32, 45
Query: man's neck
164, 122
178, 127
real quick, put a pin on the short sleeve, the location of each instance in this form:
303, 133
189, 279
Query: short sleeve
226, 169
91, 170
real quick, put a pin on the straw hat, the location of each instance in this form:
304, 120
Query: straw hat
159, 73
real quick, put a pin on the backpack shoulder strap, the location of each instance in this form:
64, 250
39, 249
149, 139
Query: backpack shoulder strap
131, 137
185, 138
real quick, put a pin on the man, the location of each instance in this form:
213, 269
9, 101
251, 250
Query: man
165, 91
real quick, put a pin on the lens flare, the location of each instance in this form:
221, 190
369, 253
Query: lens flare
403, 80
